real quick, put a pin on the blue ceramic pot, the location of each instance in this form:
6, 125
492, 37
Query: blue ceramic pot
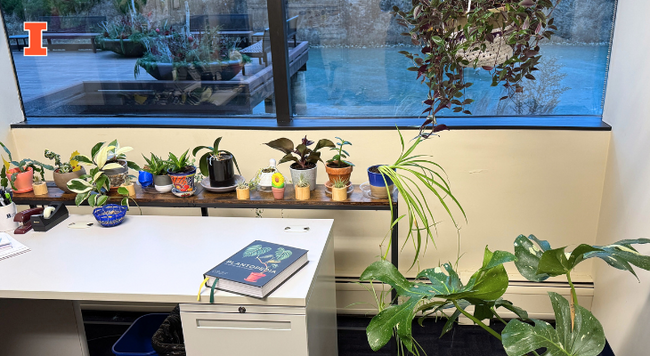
376, 179
110, 215
145, 179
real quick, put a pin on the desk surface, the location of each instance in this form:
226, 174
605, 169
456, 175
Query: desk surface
152, 259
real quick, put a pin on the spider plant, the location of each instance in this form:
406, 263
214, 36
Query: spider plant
414, 175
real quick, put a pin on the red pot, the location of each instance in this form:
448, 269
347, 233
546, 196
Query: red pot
23, 181
254, 277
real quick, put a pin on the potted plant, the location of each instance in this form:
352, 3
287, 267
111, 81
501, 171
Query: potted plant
338, 168
181, 56
498, 36
95, 186
129, 185
21, 176
63, 172
39, 186
278, 186
302, 188
303, 157
115, 165
129, 34
243, 191
158, 168
340, 189
181, 172
217, 164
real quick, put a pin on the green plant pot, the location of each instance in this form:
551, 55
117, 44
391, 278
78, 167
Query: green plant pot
218, 71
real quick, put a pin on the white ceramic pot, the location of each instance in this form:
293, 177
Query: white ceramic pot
7, 213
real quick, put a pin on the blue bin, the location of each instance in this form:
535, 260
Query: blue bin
136, 341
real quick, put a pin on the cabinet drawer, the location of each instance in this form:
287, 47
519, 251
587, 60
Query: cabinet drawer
213, 333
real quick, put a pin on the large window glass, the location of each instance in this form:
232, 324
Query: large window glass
355, 68
138, 57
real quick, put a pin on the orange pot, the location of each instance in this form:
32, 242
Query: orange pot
278, 193
338, 174
23, 181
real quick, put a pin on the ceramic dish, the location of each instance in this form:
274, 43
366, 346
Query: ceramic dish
164, 188
205, 183
180, 194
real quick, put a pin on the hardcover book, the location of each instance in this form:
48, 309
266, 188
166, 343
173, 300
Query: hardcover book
257, 269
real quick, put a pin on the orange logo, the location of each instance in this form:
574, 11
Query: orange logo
35, 30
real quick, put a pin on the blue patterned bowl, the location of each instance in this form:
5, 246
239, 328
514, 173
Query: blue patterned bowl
110, 215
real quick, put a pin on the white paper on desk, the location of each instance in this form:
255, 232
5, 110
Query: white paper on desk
16, 249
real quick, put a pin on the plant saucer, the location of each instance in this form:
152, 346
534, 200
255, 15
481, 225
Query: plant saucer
328, 186
205, 183
180, 194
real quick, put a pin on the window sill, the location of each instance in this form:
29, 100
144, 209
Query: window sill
582, 123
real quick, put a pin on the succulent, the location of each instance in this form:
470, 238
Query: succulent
242, 186
302, 182
179, 164
155, 165
63, 167
340, 183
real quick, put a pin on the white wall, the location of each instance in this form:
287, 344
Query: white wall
9, 100
621, 303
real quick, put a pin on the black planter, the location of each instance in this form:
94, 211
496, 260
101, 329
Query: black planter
222, 172
125, 47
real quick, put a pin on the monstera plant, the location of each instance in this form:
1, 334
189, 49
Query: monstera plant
577, 332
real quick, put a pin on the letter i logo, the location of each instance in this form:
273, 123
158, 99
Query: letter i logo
35, 30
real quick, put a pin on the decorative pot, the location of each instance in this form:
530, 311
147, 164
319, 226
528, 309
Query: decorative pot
221, 171
183, 181
254, 276
265, 177
40, 188
339, 194
130, 188
7, 213
219, 71
110, 215
302, 193
61, 179
376, 179
23, 181
117, 176
309, 175
125, 47
164, 188
278, 193
146, 179
335, 173
161, 180
243, 194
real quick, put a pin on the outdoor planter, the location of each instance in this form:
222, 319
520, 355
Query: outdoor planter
224, 70
221, 171
338, 174
183, 181
61, 179
117, 176
23, 181
308, 174
125, 47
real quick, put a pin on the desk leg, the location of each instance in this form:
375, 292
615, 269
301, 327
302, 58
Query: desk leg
204, 212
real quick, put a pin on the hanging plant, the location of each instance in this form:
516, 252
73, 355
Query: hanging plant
500, 36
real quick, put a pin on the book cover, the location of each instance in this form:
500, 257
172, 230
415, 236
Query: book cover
257, 264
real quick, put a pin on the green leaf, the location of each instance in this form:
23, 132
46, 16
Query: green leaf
437, 40
82, 159
122, 191
79, 186
553, 263
586, 339
282, 144
198, 148
578, 254
288, 157
322, 143
134, 166
380, 329
101, 200
203, 163
95, 149
528, 255
80, 198
621, 254
215, 145
385, 272
92, 200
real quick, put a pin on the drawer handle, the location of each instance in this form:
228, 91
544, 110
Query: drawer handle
243, 324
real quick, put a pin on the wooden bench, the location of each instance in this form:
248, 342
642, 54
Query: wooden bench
234, 25
261, 48
66, 27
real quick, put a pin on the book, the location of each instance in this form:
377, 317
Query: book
14, 247
257, 269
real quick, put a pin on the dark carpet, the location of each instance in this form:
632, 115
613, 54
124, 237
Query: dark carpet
104, 328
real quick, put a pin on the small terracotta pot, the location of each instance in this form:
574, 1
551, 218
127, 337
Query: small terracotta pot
302, 193
23, 181
338, 174
339, 194
278, 193
130, 188
243, 194
40, 188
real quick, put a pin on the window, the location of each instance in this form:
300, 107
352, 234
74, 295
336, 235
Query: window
105, 59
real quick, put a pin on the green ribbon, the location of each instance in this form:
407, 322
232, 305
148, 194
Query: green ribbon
212, 290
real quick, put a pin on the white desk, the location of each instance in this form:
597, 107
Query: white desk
161, 259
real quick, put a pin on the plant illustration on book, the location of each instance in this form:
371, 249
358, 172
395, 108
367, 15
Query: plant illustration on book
269, 261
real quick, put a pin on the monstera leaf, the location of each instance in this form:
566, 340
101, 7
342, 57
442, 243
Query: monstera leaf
489, 283
282, 254
536, 261
586, 338
256, 250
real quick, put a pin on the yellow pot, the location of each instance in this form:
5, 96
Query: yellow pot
40, 188
339, 194
302, 193
130, 188
243, 194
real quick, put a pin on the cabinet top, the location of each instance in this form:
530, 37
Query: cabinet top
154, 259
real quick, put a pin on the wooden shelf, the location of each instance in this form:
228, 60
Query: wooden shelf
357, 200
